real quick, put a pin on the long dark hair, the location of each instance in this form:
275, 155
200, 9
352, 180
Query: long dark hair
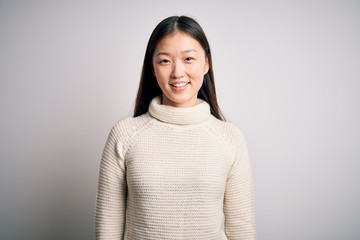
149, 88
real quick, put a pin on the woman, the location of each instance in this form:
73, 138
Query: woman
176, 170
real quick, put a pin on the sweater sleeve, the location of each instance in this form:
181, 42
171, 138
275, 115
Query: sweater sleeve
239, 197
111, 192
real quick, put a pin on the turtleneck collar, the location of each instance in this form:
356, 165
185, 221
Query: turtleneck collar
180, 116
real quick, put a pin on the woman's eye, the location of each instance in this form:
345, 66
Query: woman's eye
164, 61
189, 59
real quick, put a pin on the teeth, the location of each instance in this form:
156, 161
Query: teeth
182, 84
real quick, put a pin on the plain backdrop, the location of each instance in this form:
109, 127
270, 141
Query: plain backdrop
287, 74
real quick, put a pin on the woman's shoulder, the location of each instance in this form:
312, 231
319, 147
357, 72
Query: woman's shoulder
128, 126
226, 126
123, 132
228, 131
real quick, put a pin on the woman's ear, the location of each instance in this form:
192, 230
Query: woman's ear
206, 67
152, 70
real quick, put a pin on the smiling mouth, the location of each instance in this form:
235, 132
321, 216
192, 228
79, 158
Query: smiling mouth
179, 85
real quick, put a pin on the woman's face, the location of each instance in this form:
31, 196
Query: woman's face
180, 64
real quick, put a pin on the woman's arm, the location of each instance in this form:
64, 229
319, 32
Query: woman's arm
111, 192
239, 198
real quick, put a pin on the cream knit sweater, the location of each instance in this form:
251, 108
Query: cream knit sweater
175, 173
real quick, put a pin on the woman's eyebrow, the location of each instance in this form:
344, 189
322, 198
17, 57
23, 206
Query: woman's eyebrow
163, 53
168, 54
189, 50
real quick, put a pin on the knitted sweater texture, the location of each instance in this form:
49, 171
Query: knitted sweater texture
175, 173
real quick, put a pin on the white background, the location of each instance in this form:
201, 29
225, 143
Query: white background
287, 74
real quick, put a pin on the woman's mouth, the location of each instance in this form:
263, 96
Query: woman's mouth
179, 84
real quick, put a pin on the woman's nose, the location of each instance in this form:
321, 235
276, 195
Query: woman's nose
178, 70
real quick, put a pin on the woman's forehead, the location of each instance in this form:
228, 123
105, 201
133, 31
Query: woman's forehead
178, 41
